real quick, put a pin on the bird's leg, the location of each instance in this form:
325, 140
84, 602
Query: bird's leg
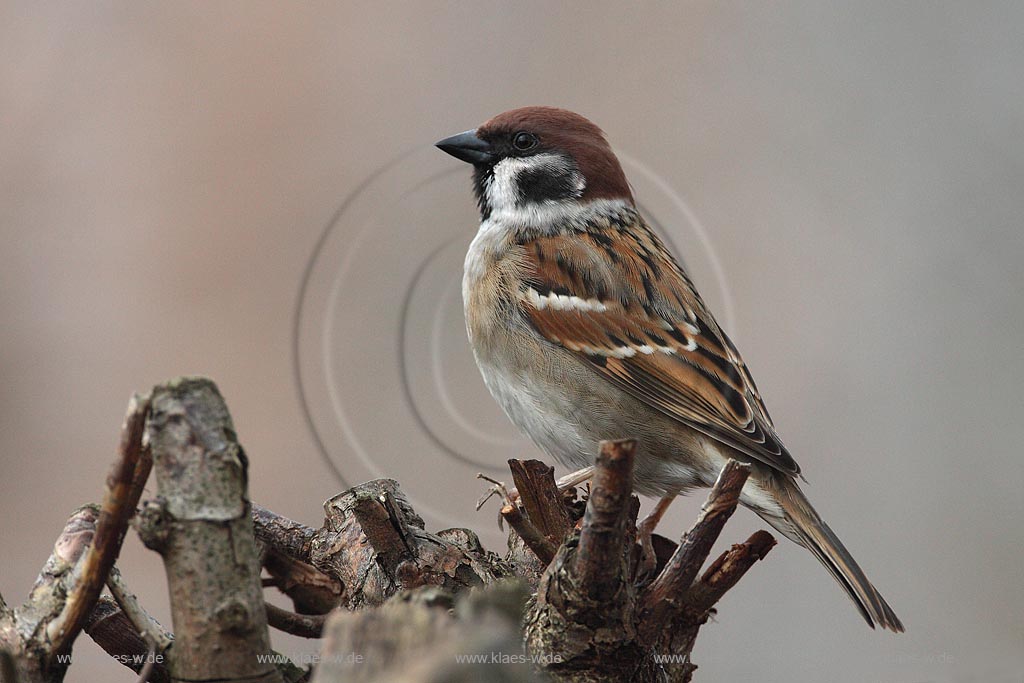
644, 531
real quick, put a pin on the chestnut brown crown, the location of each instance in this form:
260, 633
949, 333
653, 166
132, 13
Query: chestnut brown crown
535, 130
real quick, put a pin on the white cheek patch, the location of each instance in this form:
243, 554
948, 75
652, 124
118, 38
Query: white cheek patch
502, 190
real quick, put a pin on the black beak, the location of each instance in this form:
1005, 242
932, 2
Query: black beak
467, 147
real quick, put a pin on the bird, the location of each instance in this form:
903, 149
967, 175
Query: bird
586, 328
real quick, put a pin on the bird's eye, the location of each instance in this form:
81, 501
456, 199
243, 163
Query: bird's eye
524, 141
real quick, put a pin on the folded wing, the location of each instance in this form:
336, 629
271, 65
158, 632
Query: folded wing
634, 316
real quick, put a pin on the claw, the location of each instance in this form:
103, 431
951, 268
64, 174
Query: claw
508, 496
498, 488
490, 493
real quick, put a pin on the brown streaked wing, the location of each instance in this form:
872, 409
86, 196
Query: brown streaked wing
651, 335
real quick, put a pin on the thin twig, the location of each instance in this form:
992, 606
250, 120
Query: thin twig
111, 629
150, 662
284, 535
146, 625
531, 535
123, 489
682, 568
497, 488
142, 470
728, 569
302, 625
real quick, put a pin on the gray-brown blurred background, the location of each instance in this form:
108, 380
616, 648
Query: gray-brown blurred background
167, 169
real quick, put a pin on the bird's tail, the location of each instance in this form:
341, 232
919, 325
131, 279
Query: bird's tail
803, 525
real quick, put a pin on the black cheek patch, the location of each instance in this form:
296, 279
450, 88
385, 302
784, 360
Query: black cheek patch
538, 185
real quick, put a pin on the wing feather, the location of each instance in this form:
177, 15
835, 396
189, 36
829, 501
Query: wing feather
615, 297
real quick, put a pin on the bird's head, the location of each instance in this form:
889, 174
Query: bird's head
535, 157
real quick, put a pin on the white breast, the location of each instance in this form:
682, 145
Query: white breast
506, 348
487, 247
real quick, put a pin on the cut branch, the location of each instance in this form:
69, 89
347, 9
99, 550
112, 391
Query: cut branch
594, 620
282, 534
540, 544
302, 625
668, 589
540, 498
202, 526
546, 517
374, 545
596, 564
442, 598
727, 570
311, 591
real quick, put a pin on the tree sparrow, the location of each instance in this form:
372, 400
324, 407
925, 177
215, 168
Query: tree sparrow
586, 328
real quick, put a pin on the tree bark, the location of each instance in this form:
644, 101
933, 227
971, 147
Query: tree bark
594, 618
201, 525
39, 634
429, 635
374, 545
392, 600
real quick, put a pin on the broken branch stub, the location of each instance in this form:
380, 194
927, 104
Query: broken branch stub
595, 619
371, 546
201, 524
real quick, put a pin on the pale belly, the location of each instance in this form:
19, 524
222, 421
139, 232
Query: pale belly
566, 414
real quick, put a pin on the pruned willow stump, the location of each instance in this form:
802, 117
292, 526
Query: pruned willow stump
576, 597
596, 616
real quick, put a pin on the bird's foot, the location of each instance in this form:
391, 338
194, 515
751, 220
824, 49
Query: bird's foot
497, 488
644, 531
510, 496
